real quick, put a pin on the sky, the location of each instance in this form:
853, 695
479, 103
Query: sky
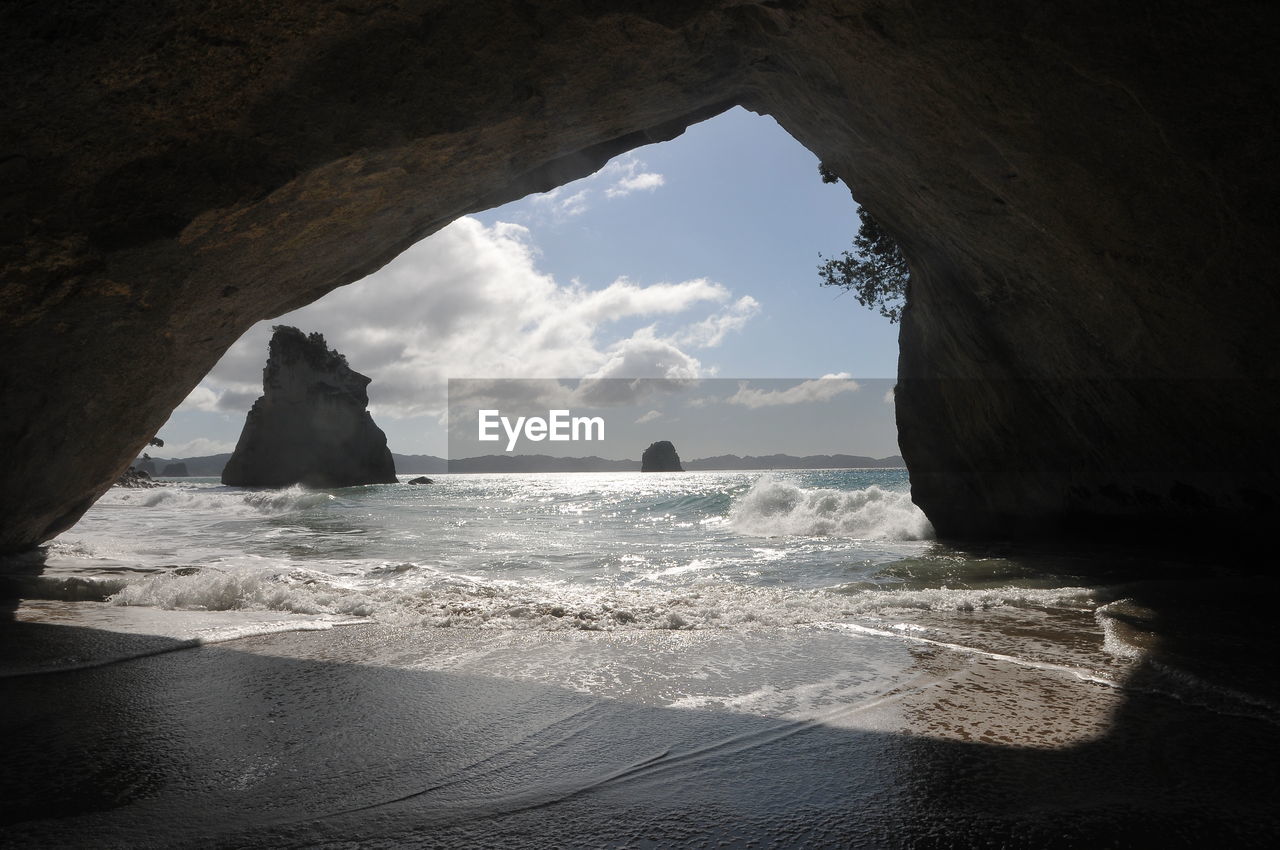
690, 259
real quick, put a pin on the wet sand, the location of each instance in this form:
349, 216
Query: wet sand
375, 736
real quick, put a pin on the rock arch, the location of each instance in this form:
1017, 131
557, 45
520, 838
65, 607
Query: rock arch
1085, 193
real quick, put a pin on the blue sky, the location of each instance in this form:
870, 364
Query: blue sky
692, 258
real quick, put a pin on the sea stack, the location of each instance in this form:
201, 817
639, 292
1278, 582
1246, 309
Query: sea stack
660, 457
311, 425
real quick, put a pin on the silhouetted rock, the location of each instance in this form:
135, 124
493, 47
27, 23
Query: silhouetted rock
310, 426
660, 457
135, 478
421, 479
175, 470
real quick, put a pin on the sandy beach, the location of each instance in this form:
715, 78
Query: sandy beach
368, 735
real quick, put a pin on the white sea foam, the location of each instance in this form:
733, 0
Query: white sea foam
234, 502
1118, 637
428, 598
298, 591
774, 508
101, 548
1081, 673
968, 600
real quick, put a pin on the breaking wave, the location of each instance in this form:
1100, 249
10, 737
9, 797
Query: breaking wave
425, 598
297, 591
773, 508
233, 502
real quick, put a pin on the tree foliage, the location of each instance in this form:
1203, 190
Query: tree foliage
875, 272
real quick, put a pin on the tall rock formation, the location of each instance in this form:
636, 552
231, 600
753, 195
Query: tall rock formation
1085, 192
660, 457
310, 426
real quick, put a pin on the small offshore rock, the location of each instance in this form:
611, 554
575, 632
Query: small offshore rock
135, 478
660, 457
421, 479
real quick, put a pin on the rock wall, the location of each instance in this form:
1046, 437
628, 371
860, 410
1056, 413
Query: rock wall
310, 426
1085, 192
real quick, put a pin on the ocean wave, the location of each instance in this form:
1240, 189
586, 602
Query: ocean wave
966, 600
1130, 633
236, 502
1119, 635
696, 504
434, 599
774, 508
295, 591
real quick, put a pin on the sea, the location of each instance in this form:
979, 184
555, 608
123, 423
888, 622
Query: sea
800, 600
841, 552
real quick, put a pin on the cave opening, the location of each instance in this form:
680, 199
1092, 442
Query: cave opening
1088, 195
694, 256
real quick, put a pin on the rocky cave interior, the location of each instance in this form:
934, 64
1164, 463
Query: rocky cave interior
1085, 196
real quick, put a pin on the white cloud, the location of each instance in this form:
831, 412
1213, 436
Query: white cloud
644, 181
649, 417
820, 389
622, 299
644, 354
201, 398
560, 204
711, 331
575, 204
470, 302
626, 175
617, 179
640, 365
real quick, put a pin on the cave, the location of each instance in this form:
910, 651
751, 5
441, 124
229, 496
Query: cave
1085, 195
